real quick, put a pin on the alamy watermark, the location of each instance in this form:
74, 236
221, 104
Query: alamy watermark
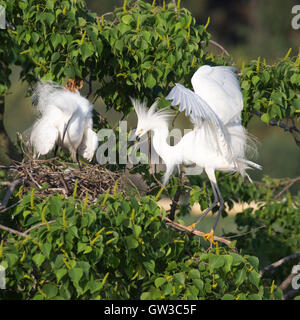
295, 22
2, 277
2, 18
124, 149
296, 278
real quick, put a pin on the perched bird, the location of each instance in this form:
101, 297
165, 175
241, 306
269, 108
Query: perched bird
65, 119
218, 140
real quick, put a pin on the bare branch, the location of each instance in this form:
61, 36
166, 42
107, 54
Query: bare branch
279, 263
179, 226
10, 190
292, 129
38, 226
18, 233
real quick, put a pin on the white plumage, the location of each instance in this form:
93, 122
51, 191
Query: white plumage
65, 119
218, 140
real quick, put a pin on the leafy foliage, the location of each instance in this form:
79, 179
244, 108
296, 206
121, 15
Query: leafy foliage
116, 249
272, 90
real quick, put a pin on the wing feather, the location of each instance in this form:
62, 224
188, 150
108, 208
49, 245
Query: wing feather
201, 114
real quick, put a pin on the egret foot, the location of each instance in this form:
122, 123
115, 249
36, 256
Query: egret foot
192, 227
210, 237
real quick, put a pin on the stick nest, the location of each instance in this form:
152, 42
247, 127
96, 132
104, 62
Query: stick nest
54, 176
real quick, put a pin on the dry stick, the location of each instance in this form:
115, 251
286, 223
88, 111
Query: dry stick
279, 263
25, 234
195, 232
21, 234
10, 207
245, 233
38, 226
217, 45
286, 187
30, 175
9, 192
286, 282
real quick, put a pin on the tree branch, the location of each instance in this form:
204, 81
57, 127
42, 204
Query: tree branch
292, 129
179, 226
279, 263
10, 190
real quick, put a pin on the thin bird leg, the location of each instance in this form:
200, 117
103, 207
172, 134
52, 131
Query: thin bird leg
77, 159
221, 208
56, 150
215, 202
210, 236
212, 177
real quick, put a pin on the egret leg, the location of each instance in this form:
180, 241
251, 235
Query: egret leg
217, 198
77, 159
221, 208
215, 202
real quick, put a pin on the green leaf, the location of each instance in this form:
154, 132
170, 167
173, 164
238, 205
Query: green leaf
228, 296
198, 283
46, 249
50, 290
254, 278
131, 242
75, 274
215, 262
50, 18
146, 296
38, 259
159, 282
150, 265
180, 277
55, 40
60, 273
228, 262
123, 28
150, 81
127, 19
255, 80
55, 56
194, 274
265, 118
86, 51
240, 277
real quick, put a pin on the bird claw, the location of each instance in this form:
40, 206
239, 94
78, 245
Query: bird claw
192, 227
210, 237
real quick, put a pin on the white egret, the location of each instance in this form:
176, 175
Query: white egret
65, 120
218, 140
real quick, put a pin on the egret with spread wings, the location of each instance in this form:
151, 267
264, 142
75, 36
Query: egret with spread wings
65, 119
218, 140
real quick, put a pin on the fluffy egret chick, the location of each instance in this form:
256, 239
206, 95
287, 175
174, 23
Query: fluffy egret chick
65, 119
218, 140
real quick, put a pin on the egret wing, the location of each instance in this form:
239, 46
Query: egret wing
201, 114
43, 136
89, 142
220, 88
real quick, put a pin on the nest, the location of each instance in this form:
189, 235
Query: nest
53, 176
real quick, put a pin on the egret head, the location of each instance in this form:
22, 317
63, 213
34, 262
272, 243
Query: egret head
149, 119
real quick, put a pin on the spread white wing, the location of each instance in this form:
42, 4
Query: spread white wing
201, 115
220, 88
